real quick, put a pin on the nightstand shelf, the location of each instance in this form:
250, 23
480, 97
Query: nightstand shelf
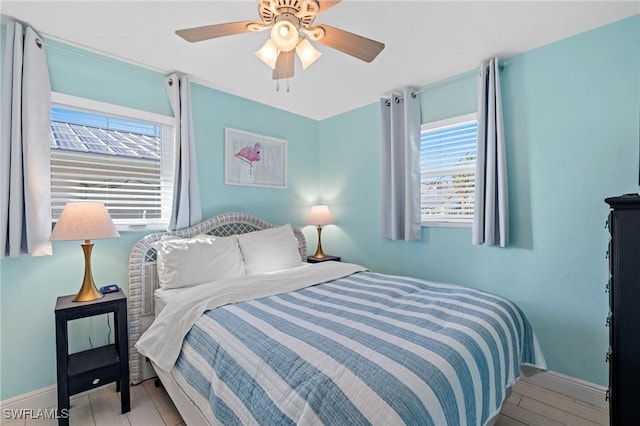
82, 371
92, 368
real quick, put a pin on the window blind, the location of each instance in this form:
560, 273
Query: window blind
130, 188
448, 161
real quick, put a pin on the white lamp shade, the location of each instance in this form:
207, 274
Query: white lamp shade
84, 221
307, 53
268, 53
285, 35
319, 215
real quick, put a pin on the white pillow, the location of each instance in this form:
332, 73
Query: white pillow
269, 250
189, 262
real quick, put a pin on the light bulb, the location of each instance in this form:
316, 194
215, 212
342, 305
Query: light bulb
307, 53
283, 30
285, 35
268, 53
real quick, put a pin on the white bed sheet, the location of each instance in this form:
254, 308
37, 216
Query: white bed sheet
162, 341
162, 297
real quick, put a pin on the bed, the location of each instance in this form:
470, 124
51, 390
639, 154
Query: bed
278, 341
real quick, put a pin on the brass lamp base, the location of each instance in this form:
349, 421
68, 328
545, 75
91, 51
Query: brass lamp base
88, 291
319, 253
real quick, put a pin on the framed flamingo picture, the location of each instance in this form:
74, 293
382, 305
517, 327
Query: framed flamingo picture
254, 160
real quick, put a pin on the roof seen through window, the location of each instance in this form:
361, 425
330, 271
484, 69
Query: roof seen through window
100, 134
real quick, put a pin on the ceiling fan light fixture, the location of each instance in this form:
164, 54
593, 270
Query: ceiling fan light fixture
285, 35
307, 53
268, 53
291, 24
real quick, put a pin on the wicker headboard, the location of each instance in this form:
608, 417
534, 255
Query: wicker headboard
143, 278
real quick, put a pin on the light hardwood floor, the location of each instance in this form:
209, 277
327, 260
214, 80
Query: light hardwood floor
151, 406
535, 406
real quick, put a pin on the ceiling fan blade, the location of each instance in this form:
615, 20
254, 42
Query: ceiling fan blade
284, 65
326, 4
352, 44
219, 30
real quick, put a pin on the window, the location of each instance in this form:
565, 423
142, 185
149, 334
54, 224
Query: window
122, 157
447, 164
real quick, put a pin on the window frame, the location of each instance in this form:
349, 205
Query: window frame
447, 122
167, 155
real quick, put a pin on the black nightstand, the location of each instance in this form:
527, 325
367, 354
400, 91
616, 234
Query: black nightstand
95, 367
312, 259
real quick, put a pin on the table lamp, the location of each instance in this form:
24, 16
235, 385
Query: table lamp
85, 221
319, 216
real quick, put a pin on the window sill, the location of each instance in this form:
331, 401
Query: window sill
444, 224
141, 227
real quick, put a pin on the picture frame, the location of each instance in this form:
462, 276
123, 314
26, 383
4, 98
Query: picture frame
251, 159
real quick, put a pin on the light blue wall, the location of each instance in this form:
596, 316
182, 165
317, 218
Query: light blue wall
213, 111
572, 116
572, 113
29, 286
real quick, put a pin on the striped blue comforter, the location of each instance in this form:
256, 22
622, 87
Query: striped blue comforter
365, 349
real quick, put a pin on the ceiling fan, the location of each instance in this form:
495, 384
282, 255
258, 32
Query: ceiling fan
290, 21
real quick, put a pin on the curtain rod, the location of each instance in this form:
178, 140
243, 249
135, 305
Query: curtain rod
446, 80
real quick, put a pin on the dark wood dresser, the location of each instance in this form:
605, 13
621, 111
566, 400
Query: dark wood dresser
624, 303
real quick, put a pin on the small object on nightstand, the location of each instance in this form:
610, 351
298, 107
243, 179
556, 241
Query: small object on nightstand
82, 371
313, 259
110, 288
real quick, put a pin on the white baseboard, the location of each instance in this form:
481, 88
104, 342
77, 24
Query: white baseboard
38, 399
581, 390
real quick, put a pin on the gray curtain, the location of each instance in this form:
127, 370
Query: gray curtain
186, 210
400, 168
25, 168
491, 218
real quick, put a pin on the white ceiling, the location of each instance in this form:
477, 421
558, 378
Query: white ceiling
425, 41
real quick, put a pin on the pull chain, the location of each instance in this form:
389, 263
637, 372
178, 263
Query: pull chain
278, 86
